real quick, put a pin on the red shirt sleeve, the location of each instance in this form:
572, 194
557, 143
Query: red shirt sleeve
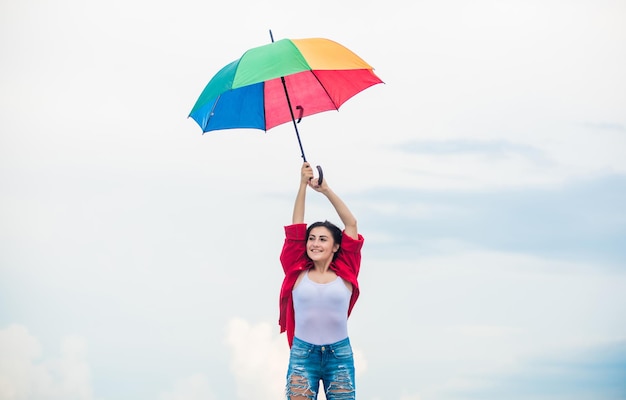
293, 255
349, 257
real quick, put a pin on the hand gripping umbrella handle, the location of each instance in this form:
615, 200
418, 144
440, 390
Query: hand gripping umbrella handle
320, 174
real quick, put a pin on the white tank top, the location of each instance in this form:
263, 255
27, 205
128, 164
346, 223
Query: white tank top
321, 311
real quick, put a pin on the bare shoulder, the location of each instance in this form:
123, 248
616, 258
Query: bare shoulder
300, 278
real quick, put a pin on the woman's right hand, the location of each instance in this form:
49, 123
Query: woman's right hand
306, 173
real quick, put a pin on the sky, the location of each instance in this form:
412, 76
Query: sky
139, 257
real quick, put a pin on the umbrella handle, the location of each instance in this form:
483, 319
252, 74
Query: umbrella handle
321, 175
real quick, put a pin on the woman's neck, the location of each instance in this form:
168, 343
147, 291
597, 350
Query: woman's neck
321, 266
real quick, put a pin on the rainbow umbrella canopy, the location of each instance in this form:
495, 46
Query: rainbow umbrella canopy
272, 84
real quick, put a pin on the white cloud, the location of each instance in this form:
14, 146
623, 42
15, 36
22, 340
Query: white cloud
195, 387
259, 359
23, 377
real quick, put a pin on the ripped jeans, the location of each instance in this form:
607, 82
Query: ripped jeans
333, 364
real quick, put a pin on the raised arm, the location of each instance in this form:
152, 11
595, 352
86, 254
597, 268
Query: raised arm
306, 174
349, 221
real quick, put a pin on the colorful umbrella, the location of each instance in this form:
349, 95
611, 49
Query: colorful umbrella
269, 84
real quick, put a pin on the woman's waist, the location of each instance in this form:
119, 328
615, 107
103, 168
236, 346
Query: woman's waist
313, 347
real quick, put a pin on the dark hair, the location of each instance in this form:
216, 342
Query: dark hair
335, 231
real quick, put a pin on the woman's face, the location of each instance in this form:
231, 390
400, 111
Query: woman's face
320, 245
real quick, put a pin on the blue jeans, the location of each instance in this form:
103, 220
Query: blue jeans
333, 364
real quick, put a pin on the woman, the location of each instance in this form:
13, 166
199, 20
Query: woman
320, 288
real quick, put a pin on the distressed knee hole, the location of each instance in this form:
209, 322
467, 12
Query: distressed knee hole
342, 387
299, 388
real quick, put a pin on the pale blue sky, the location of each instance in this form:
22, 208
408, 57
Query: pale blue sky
139, 258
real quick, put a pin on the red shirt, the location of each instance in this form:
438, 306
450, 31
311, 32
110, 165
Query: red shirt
294, 260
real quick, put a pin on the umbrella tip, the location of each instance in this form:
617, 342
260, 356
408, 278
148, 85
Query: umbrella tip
271, 36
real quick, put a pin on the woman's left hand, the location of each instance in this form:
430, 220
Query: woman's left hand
315, 185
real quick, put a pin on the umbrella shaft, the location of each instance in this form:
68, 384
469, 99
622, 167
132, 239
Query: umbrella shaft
293, 118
